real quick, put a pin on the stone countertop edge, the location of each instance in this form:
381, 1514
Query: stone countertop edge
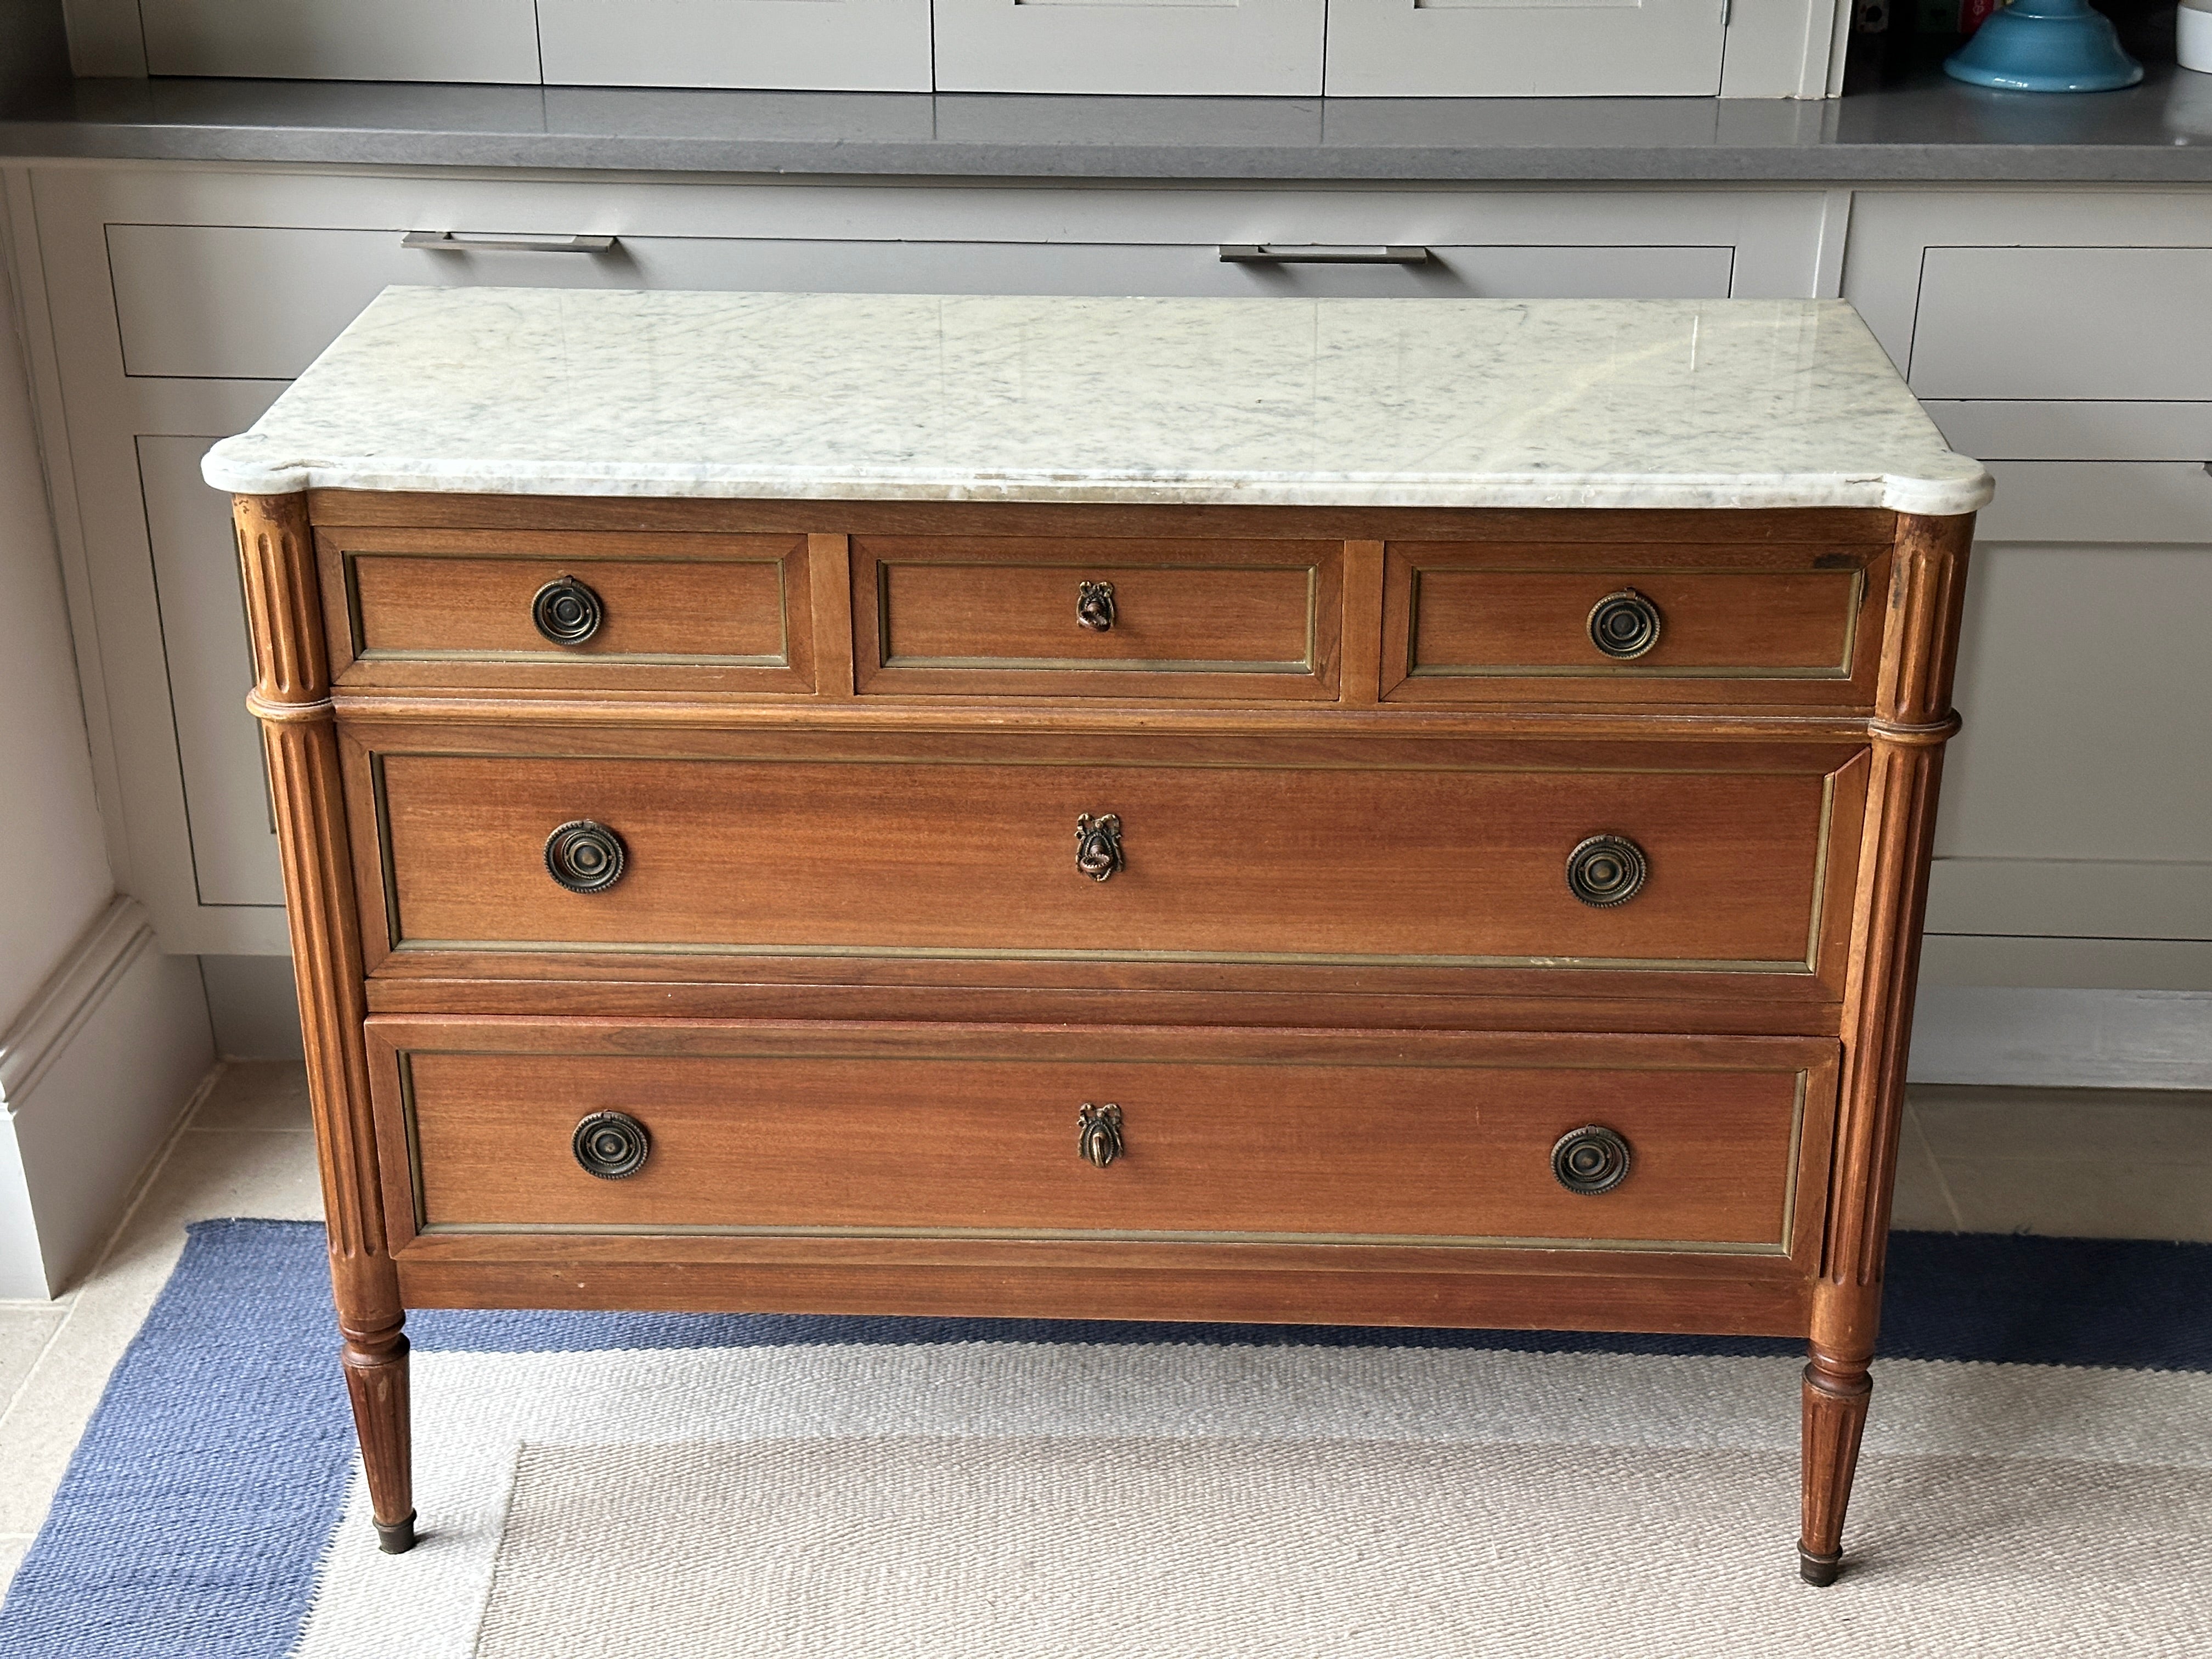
1926, 130
246, 474
1549, 403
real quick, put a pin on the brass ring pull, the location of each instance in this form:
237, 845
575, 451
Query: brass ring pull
1099, 1137
1624, 625
566, 611
1607, 870
1590, 1160
585, 857
1098, 846
612, 1145
1094, 605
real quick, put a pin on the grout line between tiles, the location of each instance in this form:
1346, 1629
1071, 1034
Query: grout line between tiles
139, 1189
1934, 1165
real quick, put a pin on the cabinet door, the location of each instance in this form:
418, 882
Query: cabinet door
855, 45
209, 666
341, 40
1247, 48
1524, 48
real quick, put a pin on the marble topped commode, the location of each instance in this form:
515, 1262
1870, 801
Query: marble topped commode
1377, 402
1382, 812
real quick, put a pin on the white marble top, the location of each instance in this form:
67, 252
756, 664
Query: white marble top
1352, 403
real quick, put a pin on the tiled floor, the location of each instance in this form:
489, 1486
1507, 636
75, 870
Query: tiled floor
2080, 1162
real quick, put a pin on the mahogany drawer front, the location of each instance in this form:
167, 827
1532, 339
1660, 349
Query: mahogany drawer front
1400, 1138
1484, 622
560, 610
1229, 855
1082, 617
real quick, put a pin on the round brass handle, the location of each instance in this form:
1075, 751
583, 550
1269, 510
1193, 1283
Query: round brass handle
566, 611
1094, 605
1099, 1137
1607, 870
1592, 1159
1624, 624
1098, 846
585, 857
611, 1146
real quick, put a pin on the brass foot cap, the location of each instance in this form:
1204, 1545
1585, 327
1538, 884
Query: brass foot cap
1819, 1569
396, 1539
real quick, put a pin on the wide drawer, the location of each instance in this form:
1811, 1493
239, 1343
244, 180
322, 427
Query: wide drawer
1073, 617
1366, 853
568, 609
1679, 623
1643, 1143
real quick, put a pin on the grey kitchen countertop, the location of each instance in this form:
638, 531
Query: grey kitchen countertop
1925, 128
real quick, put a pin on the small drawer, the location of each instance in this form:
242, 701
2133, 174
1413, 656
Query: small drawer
2042, 322
1245, 1136
1099, 618
567, 610
1491, 623
1100, 855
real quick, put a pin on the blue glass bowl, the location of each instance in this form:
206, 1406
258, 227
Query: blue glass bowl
2046, 45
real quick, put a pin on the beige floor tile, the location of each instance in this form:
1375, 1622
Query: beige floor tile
2081, 1197
25, 1330
1994, 1125
256, 1094
208, 1174
1924, 1201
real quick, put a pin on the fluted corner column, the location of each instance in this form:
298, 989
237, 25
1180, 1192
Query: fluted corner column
292, 698
1912, 722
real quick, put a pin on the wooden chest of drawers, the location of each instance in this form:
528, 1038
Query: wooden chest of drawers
1468, 914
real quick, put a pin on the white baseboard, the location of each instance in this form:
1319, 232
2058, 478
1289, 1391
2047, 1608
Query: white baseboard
92, 1078
2031, 1037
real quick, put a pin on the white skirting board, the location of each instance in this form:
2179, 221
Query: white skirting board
2029, 1036
92, 1076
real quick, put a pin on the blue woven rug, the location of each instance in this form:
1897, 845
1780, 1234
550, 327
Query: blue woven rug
200, 1517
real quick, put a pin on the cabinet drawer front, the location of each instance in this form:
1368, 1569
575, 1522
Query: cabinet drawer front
1978, 305
1466, 623
456, 607
256, 301
1166, 618
1401, 1138
922, 853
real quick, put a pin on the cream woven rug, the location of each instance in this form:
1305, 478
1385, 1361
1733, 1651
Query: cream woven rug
991, 1499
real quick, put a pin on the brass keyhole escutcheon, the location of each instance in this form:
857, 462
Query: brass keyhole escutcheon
1624, 625
1098, 846
1094, 605
612, 1145
585, 857
568, 611
1590, 1160
1099, 1137
1607, 870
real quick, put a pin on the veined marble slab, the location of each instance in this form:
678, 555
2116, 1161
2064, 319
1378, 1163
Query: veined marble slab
1348, 403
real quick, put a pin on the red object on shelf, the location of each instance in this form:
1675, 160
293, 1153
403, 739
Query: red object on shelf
1972, 14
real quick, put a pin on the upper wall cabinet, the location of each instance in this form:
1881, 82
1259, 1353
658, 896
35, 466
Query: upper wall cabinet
853, 45
1232, 48
1524, 48
341, 40
1250, 48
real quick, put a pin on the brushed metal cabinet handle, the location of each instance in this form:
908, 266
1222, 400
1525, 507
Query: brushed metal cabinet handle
1277, 253
458, 241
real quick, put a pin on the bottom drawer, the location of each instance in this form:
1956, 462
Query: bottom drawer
1605, 1143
